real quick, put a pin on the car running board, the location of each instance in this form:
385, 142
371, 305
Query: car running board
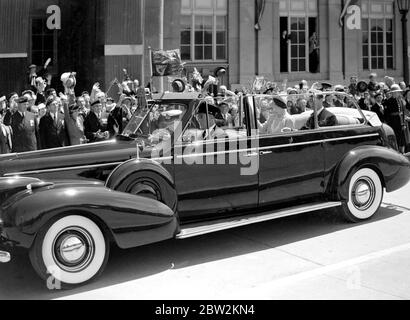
197, 229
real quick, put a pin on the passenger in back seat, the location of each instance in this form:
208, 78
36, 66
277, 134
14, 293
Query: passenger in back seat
325, 117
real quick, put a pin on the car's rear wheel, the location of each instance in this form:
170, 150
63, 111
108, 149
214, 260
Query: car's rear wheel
69, 251
365, 196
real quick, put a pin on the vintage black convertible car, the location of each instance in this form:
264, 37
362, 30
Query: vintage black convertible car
177, 172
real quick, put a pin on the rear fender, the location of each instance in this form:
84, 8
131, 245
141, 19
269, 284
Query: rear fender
392, 167
132, 221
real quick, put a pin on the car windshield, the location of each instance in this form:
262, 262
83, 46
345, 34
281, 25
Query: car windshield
157, 122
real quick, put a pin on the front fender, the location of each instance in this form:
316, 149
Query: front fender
131, 220
393, 168
124, 170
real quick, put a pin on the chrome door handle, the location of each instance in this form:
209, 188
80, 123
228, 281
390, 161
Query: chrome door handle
262, 153
250, 155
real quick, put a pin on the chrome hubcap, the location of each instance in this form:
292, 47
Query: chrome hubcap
363, 193
73, 249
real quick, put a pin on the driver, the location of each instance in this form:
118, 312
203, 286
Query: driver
167, 122
214, 132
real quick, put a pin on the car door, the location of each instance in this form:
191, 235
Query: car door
214, 177
291, 168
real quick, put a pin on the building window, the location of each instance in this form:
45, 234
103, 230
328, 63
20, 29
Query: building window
378, 35
43, 42
204, 30
299, 37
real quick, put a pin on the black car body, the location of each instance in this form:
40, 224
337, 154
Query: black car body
137, 194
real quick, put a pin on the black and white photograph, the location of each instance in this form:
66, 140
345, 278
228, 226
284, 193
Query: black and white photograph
191, 151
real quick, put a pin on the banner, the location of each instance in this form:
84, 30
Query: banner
166, 63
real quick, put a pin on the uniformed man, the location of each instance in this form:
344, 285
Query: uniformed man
25, 128
209, 112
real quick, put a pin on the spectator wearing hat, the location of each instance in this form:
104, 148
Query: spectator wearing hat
31, 96
389, 81
93, 126
394, 115
52, 127
324, 117
73, 122
25, 128
6, 144
378, 107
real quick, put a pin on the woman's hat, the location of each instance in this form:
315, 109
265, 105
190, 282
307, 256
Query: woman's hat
362, 86
212, 110
395, 88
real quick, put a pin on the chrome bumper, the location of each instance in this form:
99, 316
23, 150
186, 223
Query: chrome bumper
4, 257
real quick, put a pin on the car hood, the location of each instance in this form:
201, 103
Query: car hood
112, 151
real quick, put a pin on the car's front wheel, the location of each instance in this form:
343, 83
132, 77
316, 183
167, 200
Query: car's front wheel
70, 251
365, 196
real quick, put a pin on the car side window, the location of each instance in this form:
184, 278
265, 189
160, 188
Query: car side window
215, 123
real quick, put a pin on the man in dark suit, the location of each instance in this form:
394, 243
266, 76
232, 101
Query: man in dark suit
224, 119
378, 107
5, 136
12, 108
325, 118
93, 127
25, 128
394, 116
52, 128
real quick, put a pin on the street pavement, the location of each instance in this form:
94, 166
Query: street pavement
312, 256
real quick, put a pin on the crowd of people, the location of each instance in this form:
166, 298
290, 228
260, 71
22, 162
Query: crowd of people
39, 118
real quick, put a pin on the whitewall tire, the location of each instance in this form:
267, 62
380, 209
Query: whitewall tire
71, 251
365, 196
